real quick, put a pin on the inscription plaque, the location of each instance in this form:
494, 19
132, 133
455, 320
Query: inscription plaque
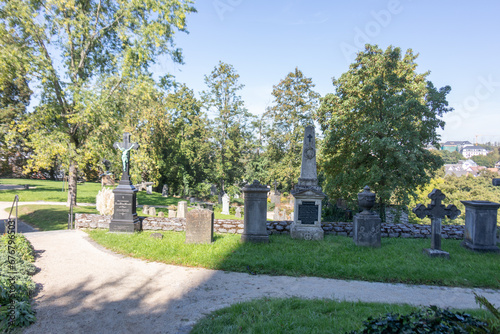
308, 212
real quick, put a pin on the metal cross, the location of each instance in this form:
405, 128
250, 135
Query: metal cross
436, 211
275, 186
125, 147
310, 137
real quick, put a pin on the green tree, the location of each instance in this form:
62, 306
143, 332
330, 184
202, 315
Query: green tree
256, 161
15, 95
294, 106
488, 160
377, 125
230, 126
91, 38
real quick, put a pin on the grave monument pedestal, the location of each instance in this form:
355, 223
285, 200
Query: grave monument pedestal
366, 225
125, 217
481, 226
308, 195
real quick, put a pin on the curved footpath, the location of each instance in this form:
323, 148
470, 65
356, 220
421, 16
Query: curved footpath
85, 288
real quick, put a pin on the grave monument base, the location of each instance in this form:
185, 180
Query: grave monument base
255, 238
436, 253
299, 231
477, 248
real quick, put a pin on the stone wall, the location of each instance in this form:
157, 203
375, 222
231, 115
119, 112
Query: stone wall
388, 230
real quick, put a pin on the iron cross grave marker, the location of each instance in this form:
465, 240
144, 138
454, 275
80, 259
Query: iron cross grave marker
436, 211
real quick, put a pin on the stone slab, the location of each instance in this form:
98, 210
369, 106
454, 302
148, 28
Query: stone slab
436, 253
199, 226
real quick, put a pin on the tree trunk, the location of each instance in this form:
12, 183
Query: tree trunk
72, 184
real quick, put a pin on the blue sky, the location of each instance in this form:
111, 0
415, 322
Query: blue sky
457, 41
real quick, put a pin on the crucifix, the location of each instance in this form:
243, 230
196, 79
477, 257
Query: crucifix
436, 211
125, 147
310, 137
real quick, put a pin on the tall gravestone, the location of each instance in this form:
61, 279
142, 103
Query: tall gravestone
125, 217
164, 191
436, 211
225, 204
255, 220
366, 224
308, 194
199, 226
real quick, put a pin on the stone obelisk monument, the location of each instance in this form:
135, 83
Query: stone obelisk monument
308, 195
125, 218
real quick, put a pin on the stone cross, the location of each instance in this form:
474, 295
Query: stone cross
125, 147
436, 211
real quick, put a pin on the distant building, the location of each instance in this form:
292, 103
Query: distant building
454, 145
471, 151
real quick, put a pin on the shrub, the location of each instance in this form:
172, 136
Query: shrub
105, 201
16, 289
429, 320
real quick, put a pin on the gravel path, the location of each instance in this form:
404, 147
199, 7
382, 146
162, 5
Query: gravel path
88, 289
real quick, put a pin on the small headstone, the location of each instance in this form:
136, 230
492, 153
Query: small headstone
436, 211
276, 213
156, 235
152, 211
225, 204
199, 226
149, 190
237, 213
192, 200
161, 214
182, 209
164, 191
145, 209
172, 213
107, 180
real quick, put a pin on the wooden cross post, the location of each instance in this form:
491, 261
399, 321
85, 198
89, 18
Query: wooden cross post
436, 211
125, 147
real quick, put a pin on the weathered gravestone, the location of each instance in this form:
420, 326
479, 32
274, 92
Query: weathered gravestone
145, 209
481, 226
161, 214
366, 225
172, 213
125, 217
237, 213
308, 194
182, 209
225, 204
254, 221
436, 211
149, 189
164, 191
276, 213
199, 226
152, 211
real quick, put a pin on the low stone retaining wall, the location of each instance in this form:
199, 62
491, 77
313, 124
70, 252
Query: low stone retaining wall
388, 230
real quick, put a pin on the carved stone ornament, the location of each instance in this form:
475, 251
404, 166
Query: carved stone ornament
366, 200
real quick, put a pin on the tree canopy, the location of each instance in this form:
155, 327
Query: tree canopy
377, 125
96, 41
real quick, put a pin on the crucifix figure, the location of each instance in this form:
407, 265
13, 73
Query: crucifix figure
125, 147
436, 211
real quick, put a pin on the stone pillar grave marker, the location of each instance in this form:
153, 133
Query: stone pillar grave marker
481, 226
199, 226
436, 211
152, 211
308, 194
254, 220
164, 191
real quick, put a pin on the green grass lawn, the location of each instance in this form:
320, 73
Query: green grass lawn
51, 191
50, 217
294, 315
398, 260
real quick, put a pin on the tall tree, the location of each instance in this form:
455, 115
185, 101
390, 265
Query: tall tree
230, 127
294, 106
119, 39
377, 125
